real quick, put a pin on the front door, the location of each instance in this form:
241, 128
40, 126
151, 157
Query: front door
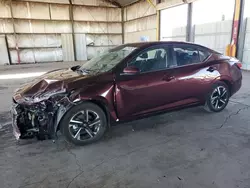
149, 90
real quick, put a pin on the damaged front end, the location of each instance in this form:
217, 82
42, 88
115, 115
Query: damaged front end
34, 120
39, 116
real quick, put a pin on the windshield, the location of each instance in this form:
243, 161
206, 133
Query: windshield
108, 60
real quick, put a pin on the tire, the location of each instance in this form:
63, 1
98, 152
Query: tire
218, 97
84, 124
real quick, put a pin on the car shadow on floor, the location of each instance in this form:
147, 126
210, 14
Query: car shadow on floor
156, 122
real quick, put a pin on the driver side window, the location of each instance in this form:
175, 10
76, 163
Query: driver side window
151, 60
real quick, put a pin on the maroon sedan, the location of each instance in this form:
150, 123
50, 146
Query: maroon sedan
128, 82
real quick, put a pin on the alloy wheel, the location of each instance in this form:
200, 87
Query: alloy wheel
84, 125
219, 97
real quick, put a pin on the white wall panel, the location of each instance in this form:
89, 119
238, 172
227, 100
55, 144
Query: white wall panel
82, 13
173, 22
59, 12
93, 51
42, 25
34, 41
37, 26
30, 10
138, 10
6, 26
37, 55
104, 40
95, 27
81, 47
140, 24
39, 10
215, 35
5, 11
136, 36
246, 50
67, 47
4, 57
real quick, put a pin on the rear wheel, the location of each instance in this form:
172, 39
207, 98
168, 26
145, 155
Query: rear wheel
218, 98
84, 124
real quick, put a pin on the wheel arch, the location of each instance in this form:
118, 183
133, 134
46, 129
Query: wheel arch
103, 106
225, 79
97, 102
229, 84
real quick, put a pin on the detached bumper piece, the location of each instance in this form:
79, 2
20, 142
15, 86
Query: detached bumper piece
33, 121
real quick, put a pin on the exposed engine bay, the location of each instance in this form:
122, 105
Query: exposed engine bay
39, 119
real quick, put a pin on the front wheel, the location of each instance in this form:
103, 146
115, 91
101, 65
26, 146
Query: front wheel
84, 124
218, 98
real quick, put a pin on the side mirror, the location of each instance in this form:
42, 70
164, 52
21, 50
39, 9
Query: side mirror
132, 70
74, 68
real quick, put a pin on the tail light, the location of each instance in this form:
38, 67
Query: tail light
239, 65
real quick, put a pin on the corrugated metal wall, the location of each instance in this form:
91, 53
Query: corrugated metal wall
215, 35
246, 50
140, 21
4, 57
44, 31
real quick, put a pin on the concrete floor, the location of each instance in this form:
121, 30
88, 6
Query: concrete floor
189, 148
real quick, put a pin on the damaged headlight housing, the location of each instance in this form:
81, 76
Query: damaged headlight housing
47, 95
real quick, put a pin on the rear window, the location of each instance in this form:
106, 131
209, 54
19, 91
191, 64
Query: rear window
204, 55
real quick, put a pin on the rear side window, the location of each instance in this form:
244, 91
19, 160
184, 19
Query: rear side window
186, 55
203, 55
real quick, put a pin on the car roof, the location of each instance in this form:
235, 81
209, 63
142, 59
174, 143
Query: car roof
148, 44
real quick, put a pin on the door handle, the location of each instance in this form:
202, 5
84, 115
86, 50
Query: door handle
168, 78
211, 69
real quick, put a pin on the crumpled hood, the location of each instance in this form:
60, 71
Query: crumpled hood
50, 82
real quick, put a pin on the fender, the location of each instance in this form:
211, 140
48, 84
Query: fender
104, 100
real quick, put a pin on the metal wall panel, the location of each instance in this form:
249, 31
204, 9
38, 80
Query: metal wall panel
59, 12
93, 51
81, 47
136, 36
30, 10
104, 40
4, 57
37, 55
67, 47
6, 26
215, 35
5, 11
84, 13
37, 26
178, 34
44, 26
138, 10
34, 41
97, 27
140, 24
246, 51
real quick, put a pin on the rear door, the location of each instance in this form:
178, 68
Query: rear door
192, 72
